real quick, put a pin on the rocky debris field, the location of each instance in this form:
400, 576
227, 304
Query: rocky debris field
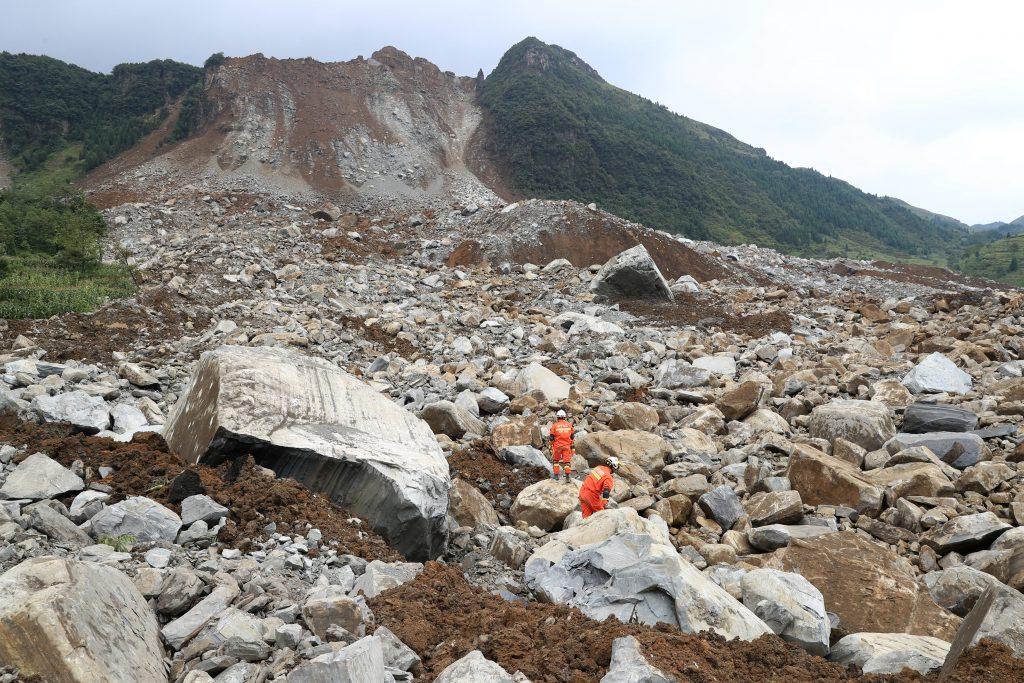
312, 448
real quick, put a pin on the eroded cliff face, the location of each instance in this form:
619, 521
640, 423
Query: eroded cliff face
390, 125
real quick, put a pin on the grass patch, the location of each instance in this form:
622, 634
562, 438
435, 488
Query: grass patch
33, 289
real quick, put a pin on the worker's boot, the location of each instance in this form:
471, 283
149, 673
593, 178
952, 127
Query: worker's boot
568, 476
555, 473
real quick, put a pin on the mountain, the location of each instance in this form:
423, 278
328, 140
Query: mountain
999, 227
47, 105
556, 129
996, 259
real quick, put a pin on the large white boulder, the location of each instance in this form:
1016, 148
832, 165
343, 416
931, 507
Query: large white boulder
88, 413
474, 668
866, 423
889, 653
141, 518
39, 476
629, 665
634, 579
632, 274
63, 620
788, 603
936, 374
536, 377
305, 418
545, 503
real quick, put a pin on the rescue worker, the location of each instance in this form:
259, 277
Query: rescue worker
597, 487
561, 436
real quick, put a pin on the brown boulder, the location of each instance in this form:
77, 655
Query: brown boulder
824, 480
468, 506
869, 587
643, 448
741, 400
634, 416
522, 431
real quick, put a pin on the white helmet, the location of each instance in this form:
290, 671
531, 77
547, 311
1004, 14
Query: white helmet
612, 462
560, 414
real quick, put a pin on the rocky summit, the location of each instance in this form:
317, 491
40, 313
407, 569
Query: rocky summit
311, 445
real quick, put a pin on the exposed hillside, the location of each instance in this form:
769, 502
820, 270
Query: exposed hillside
999, 228
559, 130
938, 219
47, 105
390, 125
1001, 259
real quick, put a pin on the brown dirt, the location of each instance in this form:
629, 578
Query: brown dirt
479, 464
146, 467
929, 276
378, 336
703, 311
442, 617
120, 325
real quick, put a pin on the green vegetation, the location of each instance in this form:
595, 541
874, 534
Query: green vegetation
998, 259
121, 544
50, 251
562, 132
47, 105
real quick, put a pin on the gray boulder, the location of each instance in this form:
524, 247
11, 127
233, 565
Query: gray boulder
397, 654
678, 374
954, 448
632, 274
56, 526
790, 605
445, 417
88, 413
1005, 620
38, 476
142, 518
633, 579
201, 507
865, 423
889, 653
921, 418
722, 505
63, 620
360, 662
474, 668
307, 419
965, 533
937, 374
492, 400
958, 588
525, 456
629, 665
774, 536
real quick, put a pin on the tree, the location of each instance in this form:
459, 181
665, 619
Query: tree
1013, 264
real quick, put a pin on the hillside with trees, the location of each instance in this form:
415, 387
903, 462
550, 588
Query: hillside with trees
558, 130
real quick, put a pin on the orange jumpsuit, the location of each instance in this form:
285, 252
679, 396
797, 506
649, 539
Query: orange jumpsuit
561, 446
596, 490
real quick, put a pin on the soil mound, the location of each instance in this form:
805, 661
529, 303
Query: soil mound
442, 617
494, 477
145, 467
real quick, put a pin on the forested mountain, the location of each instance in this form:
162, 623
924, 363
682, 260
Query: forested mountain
558, 130
46, 104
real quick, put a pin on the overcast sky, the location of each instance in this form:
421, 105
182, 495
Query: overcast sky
919, 99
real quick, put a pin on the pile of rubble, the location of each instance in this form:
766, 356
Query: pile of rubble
842, 479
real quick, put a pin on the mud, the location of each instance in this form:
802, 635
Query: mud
705, 312
442, 617
494, 477
145, 467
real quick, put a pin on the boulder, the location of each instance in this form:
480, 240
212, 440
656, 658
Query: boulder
63, 620
921, 418
678, 374
632, 578
790, 605
632, 274
954, 448
397, 654
379, 576
473, 668
865, 423
202, 507
645, 449
910, 479
143, 519
77, 408
492, 400
719, 364
774, 536
327, 212
525, 456
823, 480
56, 526
599, 527
178, 632
741, 400
628, 664
307, 419
635, 416
775, 507
958, 588
536, 377
580, 323
965, 533
722, 505
360, 662
330, 606
889, 653
1005, 620
451, 419
469, 507
545, 504
937, 374
869, 587
38, 476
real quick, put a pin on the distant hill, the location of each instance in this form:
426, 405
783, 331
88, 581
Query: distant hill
558, 130
1000, 259
47, 105
1000, 228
